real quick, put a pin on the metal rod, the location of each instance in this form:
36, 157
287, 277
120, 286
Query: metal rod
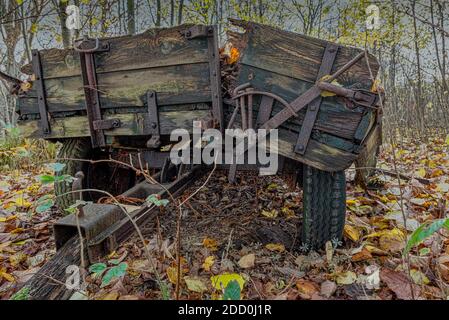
348, 65
250, 109
243, 112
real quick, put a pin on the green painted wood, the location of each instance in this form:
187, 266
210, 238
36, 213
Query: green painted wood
181, 84
132, 124
153, 48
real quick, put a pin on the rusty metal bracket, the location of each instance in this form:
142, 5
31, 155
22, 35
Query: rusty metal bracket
198, 31
107, 124
87, 49
41, 95
152, 125
327, 62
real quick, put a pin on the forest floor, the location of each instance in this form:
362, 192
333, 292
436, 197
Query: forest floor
249, 232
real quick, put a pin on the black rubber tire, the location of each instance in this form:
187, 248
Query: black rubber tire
78, 148
324, 207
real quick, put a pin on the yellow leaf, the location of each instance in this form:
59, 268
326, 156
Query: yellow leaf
221, 281
211, 244
436, 173
270, 214
289, 213
421, 173
392, 240
17, 258
172, 274
447, 139
20, 202
7, 276
351, 202
17, 230
376, 86
195, 284
208, 263
352, 233
345, 278
113, 295
419, 277
275, 247
234, 55
6, 219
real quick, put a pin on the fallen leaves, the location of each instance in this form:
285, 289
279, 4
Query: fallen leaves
279, 247
351, 233
399, 283
210, 244
392, 240
270, 214
220, 282
195, 284
208, 263
247, 261
307, 289
6, 276
345, 278
328, 288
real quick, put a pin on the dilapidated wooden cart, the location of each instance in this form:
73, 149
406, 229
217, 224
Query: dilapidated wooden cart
120, 98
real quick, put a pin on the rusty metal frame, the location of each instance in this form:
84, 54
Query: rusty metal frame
152, 127
92, 95
41, 95
330, 53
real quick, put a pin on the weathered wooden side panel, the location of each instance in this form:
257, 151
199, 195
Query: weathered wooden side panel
181, 84
133, 124
162, 60
287, 64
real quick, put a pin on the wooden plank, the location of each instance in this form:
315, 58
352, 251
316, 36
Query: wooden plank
153, 48
333, 116
174, 85
318, 155
322, 138
296, 55
132, 124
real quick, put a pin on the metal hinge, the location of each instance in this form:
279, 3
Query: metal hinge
198, 32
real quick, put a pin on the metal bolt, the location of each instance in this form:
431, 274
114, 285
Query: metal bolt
300, 147
153, 125
151, 94
188, 33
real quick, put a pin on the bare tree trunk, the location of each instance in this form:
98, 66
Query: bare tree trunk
172, 12
180, 9
131, 17
62, 15
437, 53
158, 13
419, 107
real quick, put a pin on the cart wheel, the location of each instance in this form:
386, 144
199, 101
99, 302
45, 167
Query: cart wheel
324, 206
71, 149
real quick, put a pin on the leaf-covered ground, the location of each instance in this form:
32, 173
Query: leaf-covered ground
247, 235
